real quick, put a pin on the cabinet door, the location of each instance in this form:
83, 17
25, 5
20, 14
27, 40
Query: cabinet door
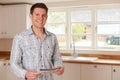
0, 20
2, 70
14, 20
3, 22
95, 72
7, 21
72, 71
9, 74
20, 18
57, 77
116, 72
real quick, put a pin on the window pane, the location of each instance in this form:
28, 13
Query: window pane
102, 41
109, 15
56, 17
56, 24
81, 16
113, 40
62, 40
81, 29
108, 41
82, 41
56, 28
108, 29
78, 28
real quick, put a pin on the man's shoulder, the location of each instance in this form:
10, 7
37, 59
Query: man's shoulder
50, 33
23, 33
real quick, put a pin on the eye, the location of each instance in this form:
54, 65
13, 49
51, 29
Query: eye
37, 14
44, 15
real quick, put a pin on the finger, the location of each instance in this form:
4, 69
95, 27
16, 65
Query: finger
32, 74
31, 78
59, 70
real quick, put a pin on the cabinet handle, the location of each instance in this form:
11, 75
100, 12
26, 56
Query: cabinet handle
95, 66
5, 32
114, 70
8, 64
4, 64
2, 33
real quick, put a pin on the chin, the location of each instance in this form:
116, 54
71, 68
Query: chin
40, 27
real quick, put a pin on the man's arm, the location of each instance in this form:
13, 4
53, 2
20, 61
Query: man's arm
16, 58
57, 60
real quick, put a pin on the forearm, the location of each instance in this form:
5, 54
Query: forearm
15, 58
16, 67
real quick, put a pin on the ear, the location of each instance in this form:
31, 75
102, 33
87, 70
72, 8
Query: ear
30, 15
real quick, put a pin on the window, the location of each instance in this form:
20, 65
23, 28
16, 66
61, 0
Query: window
81, 29
108, 28
89, 28
56, 23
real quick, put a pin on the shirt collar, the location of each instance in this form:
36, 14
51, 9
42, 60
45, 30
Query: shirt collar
30, 31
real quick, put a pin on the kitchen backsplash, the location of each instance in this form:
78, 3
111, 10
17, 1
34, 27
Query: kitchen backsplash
5, 44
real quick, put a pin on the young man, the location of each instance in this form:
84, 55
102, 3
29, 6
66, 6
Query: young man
35, 49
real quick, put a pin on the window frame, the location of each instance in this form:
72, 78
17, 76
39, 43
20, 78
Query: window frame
94, 23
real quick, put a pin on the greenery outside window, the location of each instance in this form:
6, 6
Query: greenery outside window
81, 29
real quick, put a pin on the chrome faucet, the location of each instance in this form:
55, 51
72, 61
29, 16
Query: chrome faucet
74, 54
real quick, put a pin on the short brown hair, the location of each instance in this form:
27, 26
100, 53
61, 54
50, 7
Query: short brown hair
38, 5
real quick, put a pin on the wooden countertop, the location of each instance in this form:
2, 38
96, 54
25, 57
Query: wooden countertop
4, 55
100, 56
98, 61
102, 59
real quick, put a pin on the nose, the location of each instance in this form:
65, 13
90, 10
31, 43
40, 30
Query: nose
40, 17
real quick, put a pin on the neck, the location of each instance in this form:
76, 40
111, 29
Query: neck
38, 32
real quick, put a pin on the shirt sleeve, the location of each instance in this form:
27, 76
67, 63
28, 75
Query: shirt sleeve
16, 58
57, 60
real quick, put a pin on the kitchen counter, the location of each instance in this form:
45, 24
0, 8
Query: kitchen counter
89, 60
4, 55
82, 58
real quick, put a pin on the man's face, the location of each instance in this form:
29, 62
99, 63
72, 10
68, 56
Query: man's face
38, 17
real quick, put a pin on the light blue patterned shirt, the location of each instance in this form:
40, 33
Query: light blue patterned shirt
29, 53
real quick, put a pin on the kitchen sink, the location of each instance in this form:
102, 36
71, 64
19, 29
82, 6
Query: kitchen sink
79, 58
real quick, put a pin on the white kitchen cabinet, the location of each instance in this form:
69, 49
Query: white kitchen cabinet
9, 74
115, 72
57, 77
95, 72
2, 70
5, 71
14, 20
72, 71
0, 20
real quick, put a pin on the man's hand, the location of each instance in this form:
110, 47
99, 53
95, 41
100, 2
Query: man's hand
59, 70
32, 75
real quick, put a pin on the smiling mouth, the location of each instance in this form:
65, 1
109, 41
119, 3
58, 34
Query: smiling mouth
39, 22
